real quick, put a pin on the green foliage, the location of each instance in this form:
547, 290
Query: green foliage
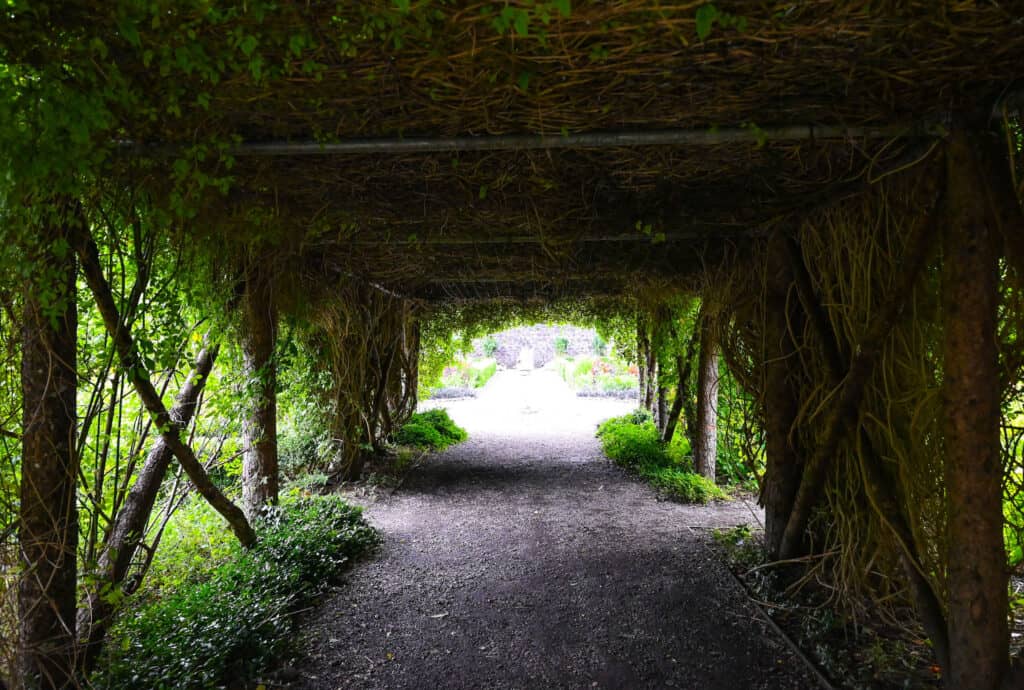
420, 435
708, 15
432, 429
681, 485
490, 345
632, 441
469, 373
230, 626
561, 345
598, 345
630, 444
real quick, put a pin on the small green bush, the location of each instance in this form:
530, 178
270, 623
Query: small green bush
490, 345
432, 429
632, 441
682, 485
233, 623
632, 445
561, 344
420, 435
481, 372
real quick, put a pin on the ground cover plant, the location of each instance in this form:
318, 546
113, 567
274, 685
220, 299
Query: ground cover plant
633, 442
199, 626
431, 430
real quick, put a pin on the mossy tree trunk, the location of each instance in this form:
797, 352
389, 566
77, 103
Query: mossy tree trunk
48, 517
260, 476
977, 575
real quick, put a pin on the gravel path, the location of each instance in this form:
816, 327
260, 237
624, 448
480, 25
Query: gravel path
524, 559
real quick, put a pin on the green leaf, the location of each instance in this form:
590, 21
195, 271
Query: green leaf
706, 16
524, 80
564, 7
483, 191
522, 22
403, 6
248, 45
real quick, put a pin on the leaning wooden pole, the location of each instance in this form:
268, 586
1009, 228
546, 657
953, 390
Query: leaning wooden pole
126, 534
48, 515
124, 344
977, 576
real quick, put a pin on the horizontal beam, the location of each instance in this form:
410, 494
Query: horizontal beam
582, 140
712, 136
550, 239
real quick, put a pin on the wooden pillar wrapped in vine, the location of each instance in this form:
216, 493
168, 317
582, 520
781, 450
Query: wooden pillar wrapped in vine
705, 452
259, 428
781, 403
977, 577
48, 516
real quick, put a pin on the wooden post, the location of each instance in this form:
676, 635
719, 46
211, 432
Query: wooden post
705, 454
784, 464
260, 478
48, 517
977, 576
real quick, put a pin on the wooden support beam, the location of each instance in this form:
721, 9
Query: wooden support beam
48, 514
977, 576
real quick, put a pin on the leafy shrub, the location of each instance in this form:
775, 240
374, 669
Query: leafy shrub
598, 345
233, 623
632, 445
420, 435
472, 374
431, 429
561, 344
490, 345
632, 441
682, 485
481, 372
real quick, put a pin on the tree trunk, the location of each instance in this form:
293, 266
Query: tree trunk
88, 254
705, 454
48, 518
94, 617
643, 345
784, 464
260, 477
970, 394
662, 417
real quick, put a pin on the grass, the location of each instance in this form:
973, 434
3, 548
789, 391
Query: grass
235, 617
632, 441
433, 430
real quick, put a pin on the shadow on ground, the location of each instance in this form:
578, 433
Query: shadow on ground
523, 559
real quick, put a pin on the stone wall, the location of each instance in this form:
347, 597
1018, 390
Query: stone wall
542, 339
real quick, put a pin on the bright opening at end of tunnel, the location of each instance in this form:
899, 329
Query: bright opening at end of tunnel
537, 380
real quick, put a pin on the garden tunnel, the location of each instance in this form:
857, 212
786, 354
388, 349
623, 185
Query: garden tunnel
839, 183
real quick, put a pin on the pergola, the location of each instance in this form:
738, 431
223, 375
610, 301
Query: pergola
798, 165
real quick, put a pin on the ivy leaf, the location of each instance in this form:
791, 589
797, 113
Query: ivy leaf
522, 23
129, 31
706, 16
248, 45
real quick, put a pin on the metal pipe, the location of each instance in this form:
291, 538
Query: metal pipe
589, 140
